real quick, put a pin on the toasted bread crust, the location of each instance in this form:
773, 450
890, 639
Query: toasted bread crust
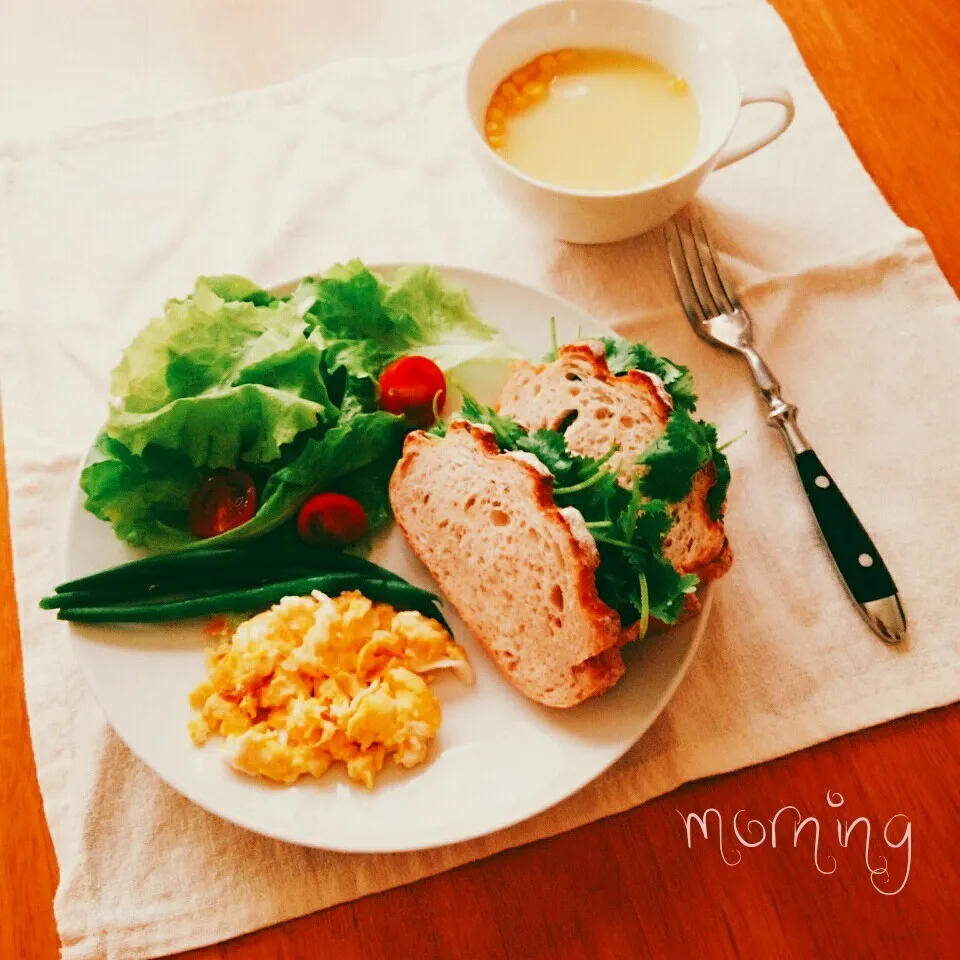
590, 660
588, 362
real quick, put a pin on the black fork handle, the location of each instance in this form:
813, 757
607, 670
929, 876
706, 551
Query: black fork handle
856, 558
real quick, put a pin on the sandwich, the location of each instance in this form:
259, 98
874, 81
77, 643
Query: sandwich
582, 512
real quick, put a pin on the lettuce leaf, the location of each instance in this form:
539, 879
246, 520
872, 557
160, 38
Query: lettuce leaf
347, 303
452, 355
219, 381
420, 298
144, 497
232, 287
283, 388
417, 311
370, 486
357, 443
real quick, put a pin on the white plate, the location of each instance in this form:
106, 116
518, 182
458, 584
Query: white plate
498, 758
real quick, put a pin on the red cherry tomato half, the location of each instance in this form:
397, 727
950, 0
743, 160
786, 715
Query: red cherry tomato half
414, 387
221, 502
331, 516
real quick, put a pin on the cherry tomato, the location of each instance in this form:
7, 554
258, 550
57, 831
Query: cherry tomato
331, 516
415, 387
221, 502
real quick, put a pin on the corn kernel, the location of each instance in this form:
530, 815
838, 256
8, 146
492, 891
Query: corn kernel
678, 85
534, 90
548, 63
495, 140
509, 91
498, 102
522, 76
493, 128
566, 56
496, 114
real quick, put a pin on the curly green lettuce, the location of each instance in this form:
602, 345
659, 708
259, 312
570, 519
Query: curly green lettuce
219, 381
145, 497
284, 388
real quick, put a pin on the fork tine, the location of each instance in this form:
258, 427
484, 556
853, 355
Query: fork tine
686, 289
722, 290
698, 277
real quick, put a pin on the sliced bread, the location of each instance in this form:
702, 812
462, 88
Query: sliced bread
518, 569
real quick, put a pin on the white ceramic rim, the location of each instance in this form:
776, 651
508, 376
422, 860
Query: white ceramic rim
722, 63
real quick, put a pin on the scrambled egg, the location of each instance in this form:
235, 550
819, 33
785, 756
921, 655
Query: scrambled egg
315, 680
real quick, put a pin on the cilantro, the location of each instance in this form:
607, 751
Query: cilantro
717, 494
675, 457
624, 355
506, 430
550, 448
634, 578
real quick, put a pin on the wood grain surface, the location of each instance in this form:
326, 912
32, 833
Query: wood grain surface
629, 886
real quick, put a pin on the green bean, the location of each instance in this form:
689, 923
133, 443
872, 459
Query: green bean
377, 589
77, 599
188, 565
213, 581
148, 592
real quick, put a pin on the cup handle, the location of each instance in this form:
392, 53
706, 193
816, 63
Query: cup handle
773, 94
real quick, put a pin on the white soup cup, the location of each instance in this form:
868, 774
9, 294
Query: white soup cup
584, 216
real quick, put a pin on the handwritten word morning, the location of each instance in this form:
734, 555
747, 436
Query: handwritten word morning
788, 824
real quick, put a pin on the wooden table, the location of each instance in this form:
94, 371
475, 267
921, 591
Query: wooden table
629, 886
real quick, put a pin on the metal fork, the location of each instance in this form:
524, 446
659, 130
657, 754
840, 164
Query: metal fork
717, 316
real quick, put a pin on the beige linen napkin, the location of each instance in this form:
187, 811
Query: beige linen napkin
370, 159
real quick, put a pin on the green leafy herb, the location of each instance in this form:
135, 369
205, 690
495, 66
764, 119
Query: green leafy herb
644, 607
550, 448
717, 495
554, 346
674, 459
677, 455
507, 431
633, 578
624, 355
732, 440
